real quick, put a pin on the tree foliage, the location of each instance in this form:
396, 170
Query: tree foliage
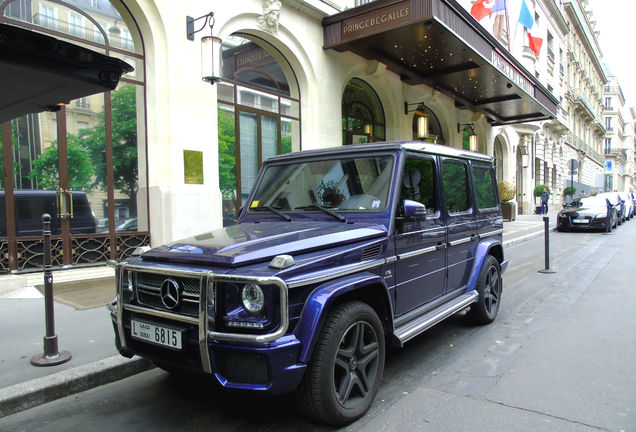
227, 154
80, 169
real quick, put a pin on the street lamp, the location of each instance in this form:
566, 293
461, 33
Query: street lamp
210, 48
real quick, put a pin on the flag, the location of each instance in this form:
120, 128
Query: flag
527, 20
535, 44
484, 8
525, 17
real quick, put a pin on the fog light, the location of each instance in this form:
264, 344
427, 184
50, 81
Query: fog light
253, 298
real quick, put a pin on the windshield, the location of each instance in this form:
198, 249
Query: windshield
359, 183
587, 202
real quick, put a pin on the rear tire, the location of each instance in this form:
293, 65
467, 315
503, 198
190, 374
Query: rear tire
489, 287
346, 368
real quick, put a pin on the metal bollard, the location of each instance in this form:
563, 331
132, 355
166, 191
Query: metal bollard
546, 222
51, 355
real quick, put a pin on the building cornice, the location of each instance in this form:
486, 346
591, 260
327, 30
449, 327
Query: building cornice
579, 18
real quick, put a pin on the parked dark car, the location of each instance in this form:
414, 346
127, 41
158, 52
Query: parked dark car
617, 201
588, 213
337, 253
29, 206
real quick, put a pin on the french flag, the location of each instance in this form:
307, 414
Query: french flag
527, 20
484, 8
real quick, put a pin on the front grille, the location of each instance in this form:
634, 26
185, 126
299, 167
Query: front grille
240, 367
148, 289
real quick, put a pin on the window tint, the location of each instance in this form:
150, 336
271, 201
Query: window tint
484, 187
455, 178
418, 183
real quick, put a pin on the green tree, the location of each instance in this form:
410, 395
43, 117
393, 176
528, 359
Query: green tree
124, 129
227, 154
80, 169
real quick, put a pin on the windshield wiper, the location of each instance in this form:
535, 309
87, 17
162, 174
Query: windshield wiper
274, 210
326, 210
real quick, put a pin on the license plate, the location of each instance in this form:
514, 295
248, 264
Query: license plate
579, 220
152, 333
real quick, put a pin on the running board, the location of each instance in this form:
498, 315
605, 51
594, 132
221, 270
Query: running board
417, 325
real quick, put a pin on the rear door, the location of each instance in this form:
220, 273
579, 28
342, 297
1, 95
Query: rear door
488, 213
460, 214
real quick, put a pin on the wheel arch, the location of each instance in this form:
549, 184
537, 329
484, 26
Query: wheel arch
489, 247
366, 287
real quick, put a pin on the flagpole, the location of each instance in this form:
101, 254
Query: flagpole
507, 27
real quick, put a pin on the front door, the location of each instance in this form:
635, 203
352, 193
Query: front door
420, 246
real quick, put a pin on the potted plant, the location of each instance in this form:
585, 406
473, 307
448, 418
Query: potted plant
538, 190
570, 190
507, 192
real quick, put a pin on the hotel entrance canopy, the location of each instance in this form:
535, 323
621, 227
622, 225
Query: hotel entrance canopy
39, 72
439, 44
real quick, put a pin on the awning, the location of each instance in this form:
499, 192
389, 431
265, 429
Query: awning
39, 72
439, 44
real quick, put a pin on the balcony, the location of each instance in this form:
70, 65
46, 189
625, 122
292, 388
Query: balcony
82, 32
583, 104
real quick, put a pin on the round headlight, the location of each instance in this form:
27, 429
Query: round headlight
253, 298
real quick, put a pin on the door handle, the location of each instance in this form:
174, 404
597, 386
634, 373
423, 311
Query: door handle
440, 246
61, 196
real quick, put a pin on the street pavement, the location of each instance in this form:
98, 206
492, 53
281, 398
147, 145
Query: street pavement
87, 334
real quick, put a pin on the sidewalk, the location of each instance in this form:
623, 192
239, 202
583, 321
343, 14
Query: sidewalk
85, 330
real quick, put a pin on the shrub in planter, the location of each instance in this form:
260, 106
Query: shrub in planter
538, 190
570, 190
507, 190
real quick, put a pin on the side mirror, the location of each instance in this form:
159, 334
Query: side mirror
414, 211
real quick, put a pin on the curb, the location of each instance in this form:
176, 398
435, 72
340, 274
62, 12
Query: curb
526, 237
39, 391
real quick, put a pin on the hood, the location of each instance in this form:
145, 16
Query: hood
587, 210
249, 243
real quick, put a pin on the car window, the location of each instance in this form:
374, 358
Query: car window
455, 180
418, 183
484, 187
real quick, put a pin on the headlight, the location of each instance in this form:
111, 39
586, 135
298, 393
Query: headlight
253, 298
601, 215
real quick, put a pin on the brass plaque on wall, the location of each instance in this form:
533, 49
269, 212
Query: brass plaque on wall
193, 166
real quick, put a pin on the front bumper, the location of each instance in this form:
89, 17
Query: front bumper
261, 362
566, 222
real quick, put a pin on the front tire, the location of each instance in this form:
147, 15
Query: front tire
489, 287
347, 365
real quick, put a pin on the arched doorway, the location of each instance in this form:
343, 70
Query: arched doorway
84, 164
259, 115
362, 114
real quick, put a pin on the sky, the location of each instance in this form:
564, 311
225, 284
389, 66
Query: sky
615, 22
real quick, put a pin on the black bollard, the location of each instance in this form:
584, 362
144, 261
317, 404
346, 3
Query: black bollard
51, 355
546, 222
608, 223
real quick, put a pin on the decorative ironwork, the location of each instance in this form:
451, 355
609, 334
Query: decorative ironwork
4, 256
31, 252
126, 244
90, 249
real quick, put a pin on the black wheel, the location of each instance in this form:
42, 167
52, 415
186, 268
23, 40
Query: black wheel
489, 287
346, 369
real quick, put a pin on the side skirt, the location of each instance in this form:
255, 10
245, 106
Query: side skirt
412, 328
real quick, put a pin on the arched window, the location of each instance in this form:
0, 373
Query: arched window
435, 134
362, 114
259, 115
90, 153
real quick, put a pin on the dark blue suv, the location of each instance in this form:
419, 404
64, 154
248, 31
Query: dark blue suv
336, 254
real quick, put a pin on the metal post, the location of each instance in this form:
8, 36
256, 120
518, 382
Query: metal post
51, 355
608, 218
546, 222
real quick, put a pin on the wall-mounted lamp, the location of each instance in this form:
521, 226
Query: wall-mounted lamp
473, 139
210, 48
422, 118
